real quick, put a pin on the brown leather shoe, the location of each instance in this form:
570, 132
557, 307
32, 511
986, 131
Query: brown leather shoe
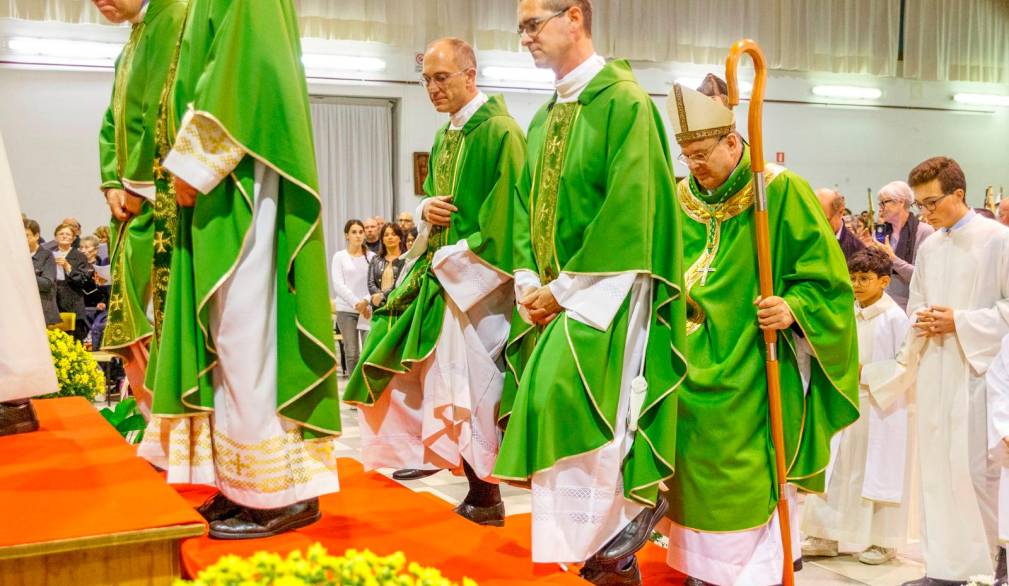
493, 515
256, 523
218, 507
609, 574
17, 417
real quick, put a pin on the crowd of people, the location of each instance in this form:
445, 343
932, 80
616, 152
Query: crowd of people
72, 272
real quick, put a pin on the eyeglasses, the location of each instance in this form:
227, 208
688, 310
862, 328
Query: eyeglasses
438, 79
700, 158
930, 204
886, 202
534, 26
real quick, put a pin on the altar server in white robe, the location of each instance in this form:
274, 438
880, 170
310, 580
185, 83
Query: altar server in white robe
866, 502
26, 366
998, 445
959, 299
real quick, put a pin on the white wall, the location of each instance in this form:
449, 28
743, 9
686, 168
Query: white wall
50, 120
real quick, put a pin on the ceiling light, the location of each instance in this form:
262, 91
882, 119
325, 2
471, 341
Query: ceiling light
848, 92
519, 74
65, 51
981, 99
342, 63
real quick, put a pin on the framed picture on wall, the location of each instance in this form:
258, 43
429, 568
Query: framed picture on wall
420, 172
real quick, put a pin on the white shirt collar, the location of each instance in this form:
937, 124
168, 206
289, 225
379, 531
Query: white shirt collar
839, 230
880, 307
460, 118
574, 83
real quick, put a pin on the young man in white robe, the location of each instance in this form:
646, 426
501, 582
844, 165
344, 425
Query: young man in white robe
865, 504
26, 364
959, 301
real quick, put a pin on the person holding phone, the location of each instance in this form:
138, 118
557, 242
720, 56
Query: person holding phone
900, 234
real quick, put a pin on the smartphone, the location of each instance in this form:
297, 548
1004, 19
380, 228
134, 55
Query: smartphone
883, 231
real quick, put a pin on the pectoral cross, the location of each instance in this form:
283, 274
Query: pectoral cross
704, 274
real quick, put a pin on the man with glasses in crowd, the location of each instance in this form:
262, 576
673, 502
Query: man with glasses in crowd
594, 360
959, 299
723, 497
428, 383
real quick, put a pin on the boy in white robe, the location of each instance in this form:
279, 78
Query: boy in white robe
865, 504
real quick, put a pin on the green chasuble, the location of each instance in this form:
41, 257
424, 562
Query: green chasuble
240, 74
478, 165
725, 459
596, 197
127, 149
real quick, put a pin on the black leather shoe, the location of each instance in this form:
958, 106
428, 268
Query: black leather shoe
610, 574
218, 507
797, 565
493, 515
634, 536
413, 474
256, 523
1000, 568
17, 417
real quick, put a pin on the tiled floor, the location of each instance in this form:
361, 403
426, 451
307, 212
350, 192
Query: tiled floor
843, 570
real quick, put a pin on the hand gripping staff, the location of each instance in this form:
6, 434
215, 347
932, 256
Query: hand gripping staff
751, 48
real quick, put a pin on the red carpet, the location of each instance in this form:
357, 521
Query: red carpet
76, 477
373, 512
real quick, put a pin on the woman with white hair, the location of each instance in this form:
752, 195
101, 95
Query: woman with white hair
894, 205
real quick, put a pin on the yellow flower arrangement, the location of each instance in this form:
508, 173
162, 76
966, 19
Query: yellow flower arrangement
317, 568
76, 371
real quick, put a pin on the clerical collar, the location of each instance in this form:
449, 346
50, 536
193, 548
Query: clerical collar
460, 118
882, 304
961, 222
574, 83
737, 180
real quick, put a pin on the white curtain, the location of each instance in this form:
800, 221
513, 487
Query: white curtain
841, 36
353, 150
957, 40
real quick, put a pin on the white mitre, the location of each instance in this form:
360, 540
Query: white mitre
696, 116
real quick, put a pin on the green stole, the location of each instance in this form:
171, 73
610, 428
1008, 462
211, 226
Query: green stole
130, 153
477, 165
222, 69
595, 198
725, 460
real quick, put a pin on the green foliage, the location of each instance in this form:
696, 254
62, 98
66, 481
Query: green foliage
127, 420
